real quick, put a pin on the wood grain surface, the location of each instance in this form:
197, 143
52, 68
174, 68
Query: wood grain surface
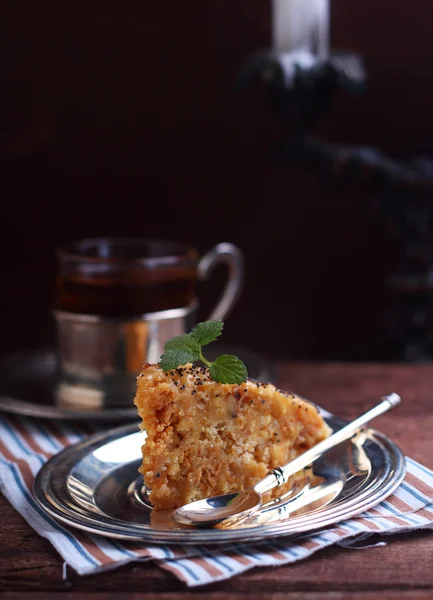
30, 567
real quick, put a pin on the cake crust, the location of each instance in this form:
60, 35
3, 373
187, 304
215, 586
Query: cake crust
206, 438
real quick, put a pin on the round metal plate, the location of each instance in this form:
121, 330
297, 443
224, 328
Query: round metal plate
28, 381
27, 387
94, 486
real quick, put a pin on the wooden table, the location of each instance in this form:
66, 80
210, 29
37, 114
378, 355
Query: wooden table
30, 568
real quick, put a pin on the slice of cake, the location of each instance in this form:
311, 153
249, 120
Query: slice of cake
206, 438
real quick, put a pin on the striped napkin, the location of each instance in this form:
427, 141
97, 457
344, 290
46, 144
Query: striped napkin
25, 444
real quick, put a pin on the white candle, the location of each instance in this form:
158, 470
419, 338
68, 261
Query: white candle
301, 25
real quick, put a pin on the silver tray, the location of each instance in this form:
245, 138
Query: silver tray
94, 486
28, 383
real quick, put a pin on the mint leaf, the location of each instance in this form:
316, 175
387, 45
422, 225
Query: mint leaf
174, 358
187, 348
183, 342
228, 369
206, 332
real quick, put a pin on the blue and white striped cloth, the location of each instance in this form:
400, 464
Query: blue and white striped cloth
25, 445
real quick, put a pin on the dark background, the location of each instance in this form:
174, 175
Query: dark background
123, 119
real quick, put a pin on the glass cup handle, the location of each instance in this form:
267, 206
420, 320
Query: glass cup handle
231, 256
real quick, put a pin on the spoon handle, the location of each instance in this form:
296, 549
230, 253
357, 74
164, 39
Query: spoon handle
281, 474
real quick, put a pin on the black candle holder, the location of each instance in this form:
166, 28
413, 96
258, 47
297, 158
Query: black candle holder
301, 90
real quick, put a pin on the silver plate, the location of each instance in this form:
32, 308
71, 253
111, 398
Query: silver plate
94, 486
28, 382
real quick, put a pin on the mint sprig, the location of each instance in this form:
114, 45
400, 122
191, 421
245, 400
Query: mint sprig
187, 348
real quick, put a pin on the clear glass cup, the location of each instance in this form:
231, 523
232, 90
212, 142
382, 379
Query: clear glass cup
119, 300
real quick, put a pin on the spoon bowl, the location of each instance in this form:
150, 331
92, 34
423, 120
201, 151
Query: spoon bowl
229, 508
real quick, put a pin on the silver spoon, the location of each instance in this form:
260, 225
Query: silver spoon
239, 505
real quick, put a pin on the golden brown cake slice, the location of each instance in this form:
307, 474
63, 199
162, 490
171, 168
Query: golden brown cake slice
206, 438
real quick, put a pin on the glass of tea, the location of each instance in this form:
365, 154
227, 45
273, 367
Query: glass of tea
118, 301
